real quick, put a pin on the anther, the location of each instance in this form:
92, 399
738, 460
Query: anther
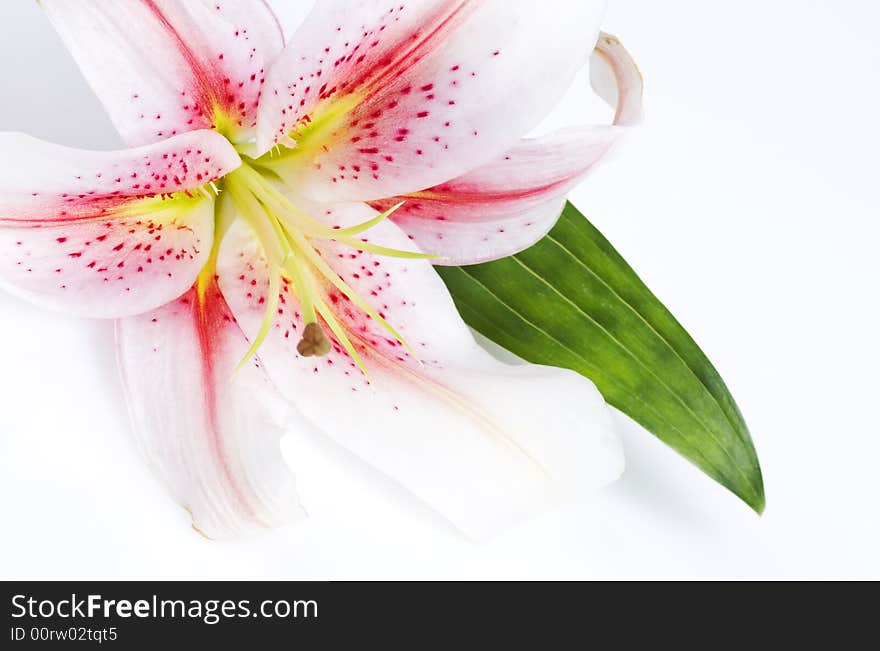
313, 342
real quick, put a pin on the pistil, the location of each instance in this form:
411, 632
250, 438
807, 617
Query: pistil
313, 342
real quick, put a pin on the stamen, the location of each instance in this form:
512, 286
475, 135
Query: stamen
367, 225
342, 338
314, 228
302, 283
276, 202
321, 265
284, 233
268, 318
363, 245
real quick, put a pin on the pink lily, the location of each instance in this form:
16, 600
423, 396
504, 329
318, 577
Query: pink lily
266, 244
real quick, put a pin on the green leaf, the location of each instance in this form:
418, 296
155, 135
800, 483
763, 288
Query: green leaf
572, 301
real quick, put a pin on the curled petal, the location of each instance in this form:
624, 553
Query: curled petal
387, 98
484, 443
163, 67
211, 437
509, 204
616, 79
107, 234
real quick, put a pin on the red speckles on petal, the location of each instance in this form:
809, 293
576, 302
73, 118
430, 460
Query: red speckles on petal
115, 179
427, 73
95, 291
196, 60
243, 281
403, 103
101, 215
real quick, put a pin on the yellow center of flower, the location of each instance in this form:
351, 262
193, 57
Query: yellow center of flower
285, 233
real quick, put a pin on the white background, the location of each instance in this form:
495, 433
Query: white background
747, 202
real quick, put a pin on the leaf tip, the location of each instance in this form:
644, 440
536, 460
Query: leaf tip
760, 503
755, 497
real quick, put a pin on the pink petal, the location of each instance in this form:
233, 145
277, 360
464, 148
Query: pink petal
163, 67
89, 232
211, 437
482, 442
386, 98
509, 204
505, 206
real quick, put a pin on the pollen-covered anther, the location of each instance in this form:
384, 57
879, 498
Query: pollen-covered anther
313, 343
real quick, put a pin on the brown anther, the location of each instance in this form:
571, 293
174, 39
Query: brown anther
313, 342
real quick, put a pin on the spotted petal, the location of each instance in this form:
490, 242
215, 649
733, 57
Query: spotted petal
505, 206
509, 204
107, 234
481, 441
211, 437
163, 67
384, 98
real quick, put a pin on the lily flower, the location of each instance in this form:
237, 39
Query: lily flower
266, 243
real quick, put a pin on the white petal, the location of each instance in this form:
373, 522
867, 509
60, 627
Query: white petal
211, 437
388, 98
90, 232
508, 204
616, 78
163, 67
482, 442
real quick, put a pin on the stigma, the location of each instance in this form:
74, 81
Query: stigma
313, 343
